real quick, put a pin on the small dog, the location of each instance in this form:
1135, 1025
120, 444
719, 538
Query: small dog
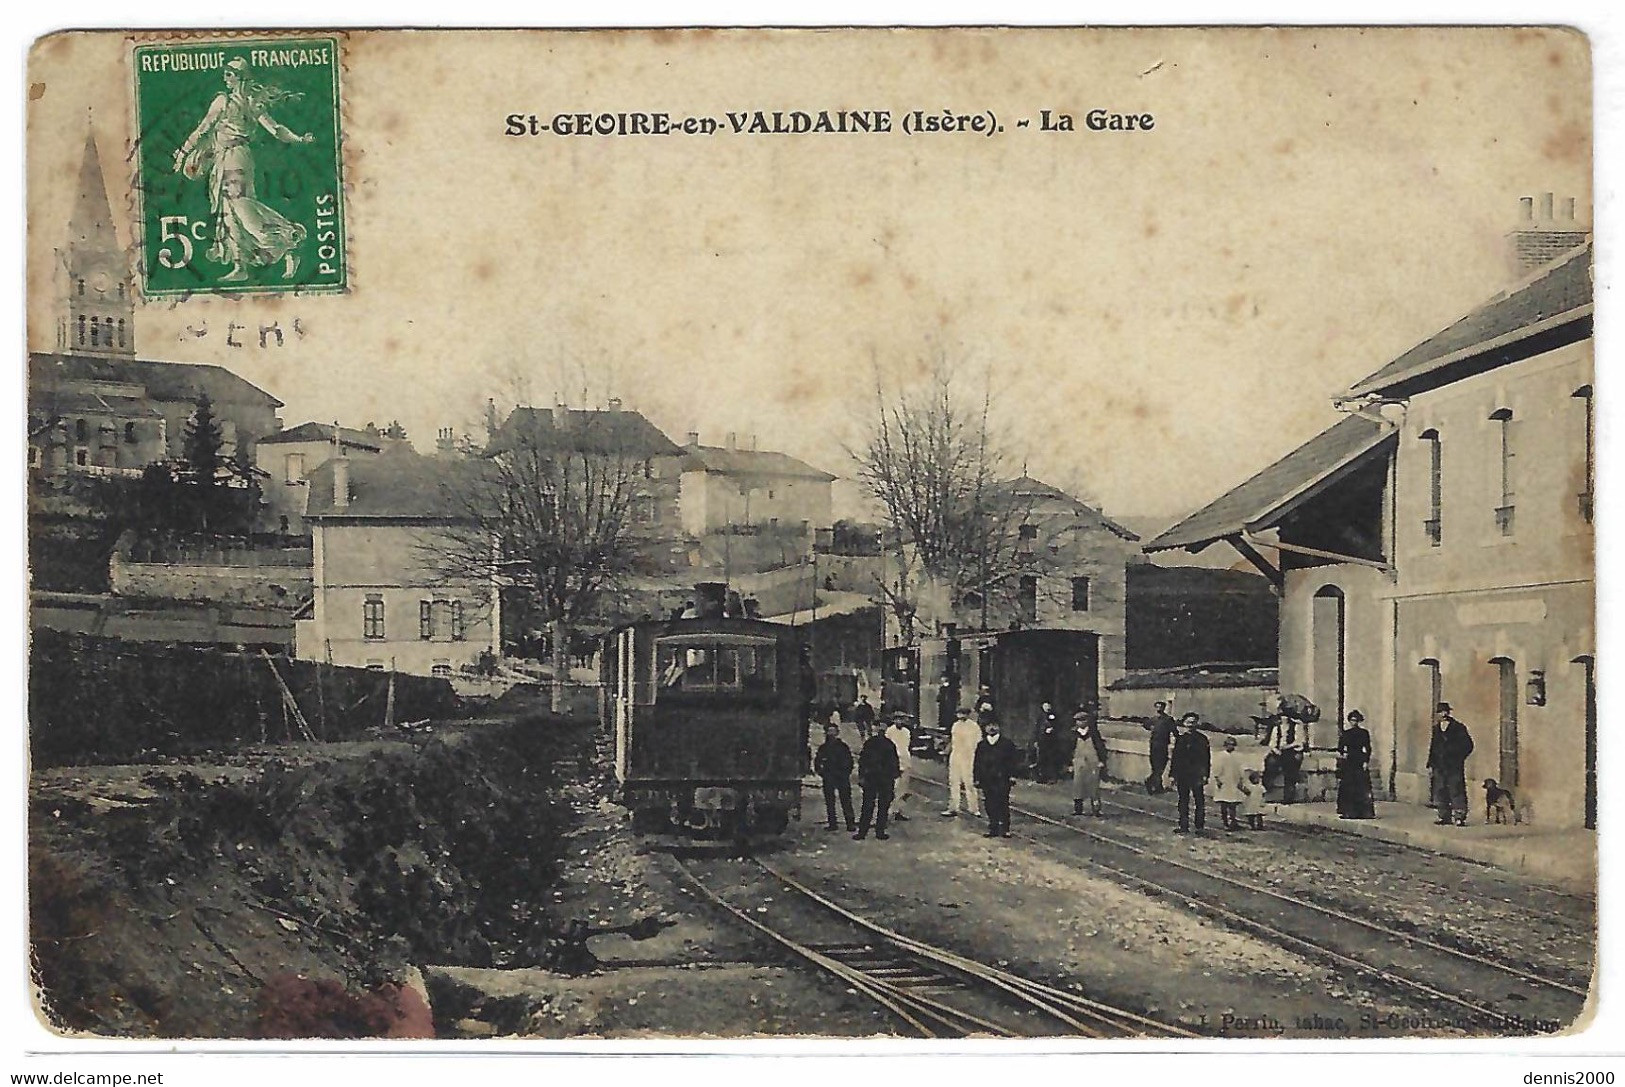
1499, 804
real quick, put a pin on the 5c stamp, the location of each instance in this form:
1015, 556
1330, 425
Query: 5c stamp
239, 182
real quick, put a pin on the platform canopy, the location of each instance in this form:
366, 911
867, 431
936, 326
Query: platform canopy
1260, 503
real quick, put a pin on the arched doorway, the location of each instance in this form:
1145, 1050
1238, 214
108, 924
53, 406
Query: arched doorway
1328, 630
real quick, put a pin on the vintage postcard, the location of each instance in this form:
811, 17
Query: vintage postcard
1018, 533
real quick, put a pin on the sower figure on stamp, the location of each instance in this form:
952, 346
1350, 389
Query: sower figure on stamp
833, 764
1190, 762
878, 770
997, 762
1447, 761
246, 231
1161, 727
962, 741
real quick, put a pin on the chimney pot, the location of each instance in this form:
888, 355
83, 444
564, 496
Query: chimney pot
1568, 209
753, 442
693, 437
733, 440
614, 403
1546, 207
1528, 203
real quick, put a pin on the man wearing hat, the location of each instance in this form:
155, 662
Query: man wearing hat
1447, 761
1087, 758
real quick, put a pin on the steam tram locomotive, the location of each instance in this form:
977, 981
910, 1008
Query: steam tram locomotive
710, 718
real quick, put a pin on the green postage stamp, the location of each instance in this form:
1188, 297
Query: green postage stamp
239, 185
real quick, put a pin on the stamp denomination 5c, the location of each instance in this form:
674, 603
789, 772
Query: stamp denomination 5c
239, 185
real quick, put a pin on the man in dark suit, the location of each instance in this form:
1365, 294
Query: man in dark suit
833, 764
998, 760
1161, 727
1191, 761
1448, 749
878, 771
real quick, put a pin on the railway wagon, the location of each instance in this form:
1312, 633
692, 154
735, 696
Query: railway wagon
1023, 669
710, 723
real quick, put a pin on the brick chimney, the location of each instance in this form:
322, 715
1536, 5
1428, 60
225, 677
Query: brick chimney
341, 482
1548, 227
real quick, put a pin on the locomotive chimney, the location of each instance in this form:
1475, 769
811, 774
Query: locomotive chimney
709, 599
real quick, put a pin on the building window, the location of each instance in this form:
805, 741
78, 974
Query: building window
294, 471
425, 619
121, 323
81, 291
36, 456
458, 632
1504, 507
1027, 600
95, 332
1586, 497
121, 298
1433, 527
372, 616
129, 433
1080, 594
81, 430
81, 457
107, 333
81, 329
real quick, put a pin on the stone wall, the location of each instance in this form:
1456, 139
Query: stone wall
235, 577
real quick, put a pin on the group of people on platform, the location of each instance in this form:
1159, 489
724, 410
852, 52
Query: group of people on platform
983, 763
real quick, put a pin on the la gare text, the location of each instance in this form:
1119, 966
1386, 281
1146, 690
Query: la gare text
814, 122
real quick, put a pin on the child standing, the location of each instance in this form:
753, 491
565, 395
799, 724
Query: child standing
1252, 800
1228, 782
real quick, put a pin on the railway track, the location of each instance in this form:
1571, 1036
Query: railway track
932, 992
1477, 989
1546, 905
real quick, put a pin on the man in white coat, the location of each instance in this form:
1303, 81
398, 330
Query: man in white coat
962, 741
900, 737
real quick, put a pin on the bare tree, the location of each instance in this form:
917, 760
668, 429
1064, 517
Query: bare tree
557, 511
930, 458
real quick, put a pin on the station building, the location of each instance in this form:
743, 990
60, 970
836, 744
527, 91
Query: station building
1436, 544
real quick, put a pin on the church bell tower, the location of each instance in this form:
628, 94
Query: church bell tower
100, 317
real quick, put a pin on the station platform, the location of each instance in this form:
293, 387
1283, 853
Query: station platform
1562, 857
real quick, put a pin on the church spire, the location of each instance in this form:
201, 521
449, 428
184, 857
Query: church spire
92, 222
100, 310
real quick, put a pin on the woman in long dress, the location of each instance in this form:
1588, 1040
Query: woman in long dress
246, 231
1354, 800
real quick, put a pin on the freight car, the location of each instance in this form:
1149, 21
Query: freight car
710, 719
927, 682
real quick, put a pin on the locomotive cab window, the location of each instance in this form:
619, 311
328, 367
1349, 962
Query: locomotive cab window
715, 664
